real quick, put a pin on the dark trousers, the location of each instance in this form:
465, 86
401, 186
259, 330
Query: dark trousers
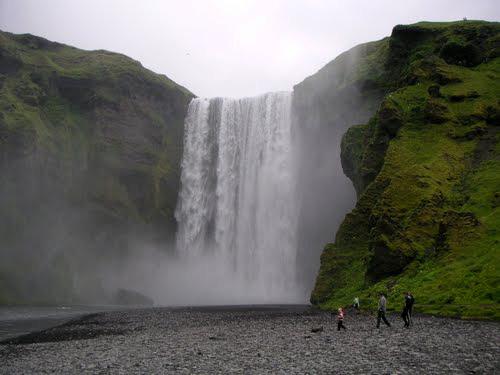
340, 324
406, 315
381, 316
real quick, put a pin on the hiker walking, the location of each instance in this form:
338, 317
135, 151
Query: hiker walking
340, 319
382, 307
355, 304
408, 309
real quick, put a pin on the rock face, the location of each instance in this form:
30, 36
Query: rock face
90, 147
345, 92
131, 297
425, 168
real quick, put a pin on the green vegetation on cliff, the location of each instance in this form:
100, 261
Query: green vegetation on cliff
426, 168
90, 148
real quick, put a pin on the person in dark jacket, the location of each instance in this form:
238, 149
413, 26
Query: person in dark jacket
408, 309
382, 307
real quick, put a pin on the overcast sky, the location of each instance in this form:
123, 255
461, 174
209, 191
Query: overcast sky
229, 48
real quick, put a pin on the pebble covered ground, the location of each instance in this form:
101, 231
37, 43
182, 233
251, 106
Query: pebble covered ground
253, 340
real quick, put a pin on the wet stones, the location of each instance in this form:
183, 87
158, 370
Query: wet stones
261, 341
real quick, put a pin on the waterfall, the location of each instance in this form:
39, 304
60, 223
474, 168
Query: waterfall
237, 208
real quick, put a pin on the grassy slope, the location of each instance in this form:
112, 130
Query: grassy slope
427, 174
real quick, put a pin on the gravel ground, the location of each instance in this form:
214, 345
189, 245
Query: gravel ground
253, 340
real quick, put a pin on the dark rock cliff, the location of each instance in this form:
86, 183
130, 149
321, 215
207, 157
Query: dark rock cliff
90, 148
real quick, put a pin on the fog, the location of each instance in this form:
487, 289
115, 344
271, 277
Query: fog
262, 192
184, 281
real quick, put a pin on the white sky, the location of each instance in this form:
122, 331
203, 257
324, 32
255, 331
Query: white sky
229, 48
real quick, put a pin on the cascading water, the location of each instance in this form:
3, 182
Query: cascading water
237, 209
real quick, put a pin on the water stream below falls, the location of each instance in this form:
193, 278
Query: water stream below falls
237, 209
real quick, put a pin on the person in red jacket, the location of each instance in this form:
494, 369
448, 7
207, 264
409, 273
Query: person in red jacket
340, 319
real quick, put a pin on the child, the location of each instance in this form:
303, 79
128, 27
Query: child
340, 319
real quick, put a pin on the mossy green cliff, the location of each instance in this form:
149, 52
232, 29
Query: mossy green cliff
90, 148
426, 168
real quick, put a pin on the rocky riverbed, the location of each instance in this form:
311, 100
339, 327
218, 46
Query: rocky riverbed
253, 340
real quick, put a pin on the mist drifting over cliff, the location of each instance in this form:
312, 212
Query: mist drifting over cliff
256, 183
261, 192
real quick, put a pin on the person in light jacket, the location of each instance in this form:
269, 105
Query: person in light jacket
355, 303
382, 308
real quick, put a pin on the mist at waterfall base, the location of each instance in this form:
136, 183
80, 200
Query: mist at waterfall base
262, 192
248, 232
